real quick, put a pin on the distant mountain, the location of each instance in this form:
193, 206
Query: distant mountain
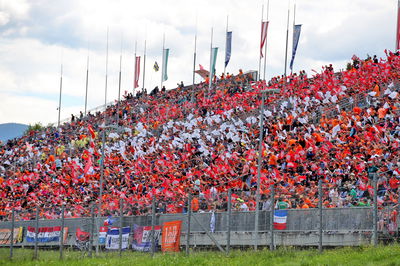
11, 130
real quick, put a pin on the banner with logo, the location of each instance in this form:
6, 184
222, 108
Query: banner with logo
142, 237
5, 236
103, 234
46, 234
171, 235
112, 238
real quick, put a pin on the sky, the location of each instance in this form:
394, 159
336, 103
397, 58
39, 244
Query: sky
38, 36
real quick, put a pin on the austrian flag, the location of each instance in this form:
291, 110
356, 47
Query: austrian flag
280, 217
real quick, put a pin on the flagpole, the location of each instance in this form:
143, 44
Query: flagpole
211, 70
259, 57
294, 23
226, 41
106, 82
119, 83
397, 46
287, 38
162, 61
134, 73
266, 42
194, 56
59, 100
87, 80
144, 63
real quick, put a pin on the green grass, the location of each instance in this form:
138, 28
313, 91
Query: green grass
384, 255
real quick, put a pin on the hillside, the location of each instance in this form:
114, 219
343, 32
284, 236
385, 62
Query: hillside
11, 130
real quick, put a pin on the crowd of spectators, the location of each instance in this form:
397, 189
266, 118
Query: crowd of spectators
342, 128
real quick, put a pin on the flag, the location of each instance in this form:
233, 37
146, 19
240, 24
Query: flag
212, 222
142, 237
280, 217
91, 131
214, 53
112, 238
156, 67
108, 221
171, 234
45, 234
264, 29
228, 47
165, 64
137, 72
296, 37
398, 27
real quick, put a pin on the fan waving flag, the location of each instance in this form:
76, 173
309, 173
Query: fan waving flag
228, 49
280, 217
156, 67
165, 64
264, 28
296, 37
137, 72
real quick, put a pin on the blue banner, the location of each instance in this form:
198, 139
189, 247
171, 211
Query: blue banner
296, 37
228, 48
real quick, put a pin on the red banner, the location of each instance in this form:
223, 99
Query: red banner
171, 236
137, 72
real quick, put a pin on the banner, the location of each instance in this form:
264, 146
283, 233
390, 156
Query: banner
214, 53
264, 29
103, 234
171, 236
112, 238
142, 237
5, 236
165, 64
137, 72
46, 234
296, 37
228, 46
280, 217
156, 67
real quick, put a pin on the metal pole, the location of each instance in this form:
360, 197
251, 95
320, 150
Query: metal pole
92, 225
287, 39
211, 66
162, 61
153, 222
101, 183
265, 45
12, 233
106, 85
375, 215
59, 99
228, 239
35, 255
259, 57
259, 171
271, 218
194, 55
87, 81
144, 63
119, 84
189, 214
121, 216
320, 214
62, 232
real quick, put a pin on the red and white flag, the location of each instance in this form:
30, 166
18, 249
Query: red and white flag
264, 29
137, 72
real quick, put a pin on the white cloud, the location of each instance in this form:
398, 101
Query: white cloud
36, 33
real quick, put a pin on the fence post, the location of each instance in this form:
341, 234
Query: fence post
91, 230
189, 214
62, 232
228, 240
35, 255
271, 218
153, 222
121, 216
12, 233
320, 214
375, 214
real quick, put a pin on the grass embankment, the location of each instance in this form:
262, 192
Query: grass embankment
385, 255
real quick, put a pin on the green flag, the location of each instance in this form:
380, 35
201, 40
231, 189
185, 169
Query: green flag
214, 53
165, 64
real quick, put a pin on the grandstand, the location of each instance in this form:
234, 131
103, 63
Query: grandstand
341, 128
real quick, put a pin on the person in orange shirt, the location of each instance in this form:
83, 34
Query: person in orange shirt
195, 204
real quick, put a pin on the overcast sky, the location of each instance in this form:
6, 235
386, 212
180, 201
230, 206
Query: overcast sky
36, 36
